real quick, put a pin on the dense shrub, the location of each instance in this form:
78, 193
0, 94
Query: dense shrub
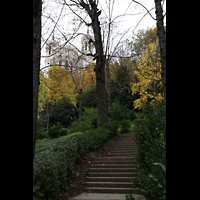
124, 126
87, 121
89, 98
150, 136
120, 112
41, 134
121, 87
138, 122
112, 127
63, 112
57, 130
52, 167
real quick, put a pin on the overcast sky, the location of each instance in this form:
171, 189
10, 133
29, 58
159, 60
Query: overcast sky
133, 11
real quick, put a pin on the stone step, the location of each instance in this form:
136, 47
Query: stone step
123, 150
121, 154
112, 165
109, 179
103, 196
112, 169
113, 190
129, 141
123, 145
110, 184
112, 174
126, 142
121, 158
114, 162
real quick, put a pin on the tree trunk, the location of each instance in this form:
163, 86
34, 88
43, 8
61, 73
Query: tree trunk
162, 42
37, 8
94, 13
108, 85
80, 106
100, 74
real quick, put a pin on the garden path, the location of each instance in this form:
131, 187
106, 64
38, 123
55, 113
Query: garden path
110, 176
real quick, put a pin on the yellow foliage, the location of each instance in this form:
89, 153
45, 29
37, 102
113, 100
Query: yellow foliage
60, 85
149, 85
89, 77
43, 93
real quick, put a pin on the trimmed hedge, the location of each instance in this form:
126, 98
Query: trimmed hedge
52, 167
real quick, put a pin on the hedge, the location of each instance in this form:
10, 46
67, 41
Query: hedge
150, 136
52, 167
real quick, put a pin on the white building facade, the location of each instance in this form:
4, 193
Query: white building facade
69, 56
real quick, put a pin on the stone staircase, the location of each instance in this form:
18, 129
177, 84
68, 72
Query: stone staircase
112, 173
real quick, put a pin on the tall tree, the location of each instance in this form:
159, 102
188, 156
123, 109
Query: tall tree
37, 8
149, 84
121, 87
60, 85
162, 41
161, 37
94, 12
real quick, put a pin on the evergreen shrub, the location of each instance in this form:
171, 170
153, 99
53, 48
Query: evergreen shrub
138, 122
150, 136
41, 134
88, 121
124, 125
52, 167
57, 130
120, 112
112, 127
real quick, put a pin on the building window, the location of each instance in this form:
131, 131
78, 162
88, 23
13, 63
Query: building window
49, 50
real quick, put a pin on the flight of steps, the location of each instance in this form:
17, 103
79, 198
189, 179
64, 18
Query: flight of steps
112, 173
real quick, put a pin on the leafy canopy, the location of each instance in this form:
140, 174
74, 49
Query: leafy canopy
60, 85
148, 73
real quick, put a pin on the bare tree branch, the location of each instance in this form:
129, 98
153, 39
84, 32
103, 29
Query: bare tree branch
53, 28
144, 8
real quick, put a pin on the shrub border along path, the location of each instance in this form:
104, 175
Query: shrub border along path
125, 139
75, 184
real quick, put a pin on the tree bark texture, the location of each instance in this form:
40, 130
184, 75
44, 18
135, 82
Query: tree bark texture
108, 85
37, 8
94, 13
162, 42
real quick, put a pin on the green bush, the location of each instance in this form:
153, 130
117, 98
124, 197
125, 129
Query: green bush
150, 137
57, 130
120, 112
52, 167
112, 127
87, 121
138, 122
124, 126
41, 134
64, 131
